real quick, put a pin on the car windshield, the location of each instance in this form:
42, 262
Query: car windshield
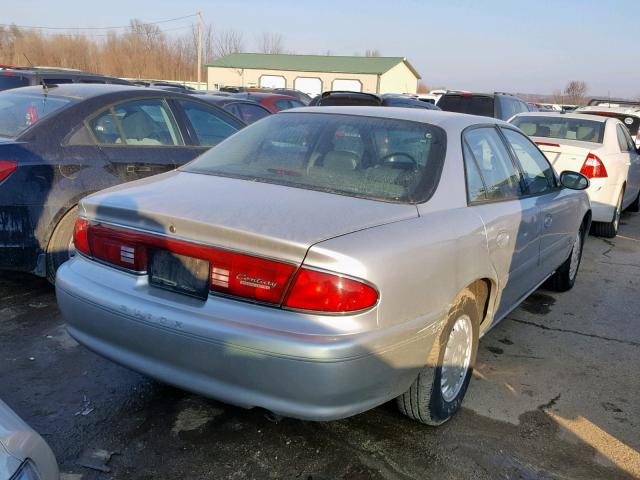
471, 104
19, 111
376, 158
561, 127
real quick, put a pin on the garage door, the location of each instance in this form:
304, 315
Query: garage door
272, 81
347, 85
310, 86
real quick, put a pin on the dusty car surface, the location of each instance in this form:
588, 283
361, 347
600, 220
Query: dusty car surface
24, 455
325, 260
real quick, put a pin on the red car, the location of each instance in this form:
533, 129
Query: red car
273, 102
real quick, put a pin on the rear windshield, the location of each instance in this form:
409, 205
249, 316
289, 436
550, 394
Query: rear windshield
376, 158
560, 127
471, 104
631, 122
19, 111
10, 81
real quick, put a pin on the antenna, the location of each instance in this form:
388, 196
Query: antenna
28, 61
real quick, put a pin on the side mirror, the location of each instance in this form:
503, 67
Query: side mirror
574, 180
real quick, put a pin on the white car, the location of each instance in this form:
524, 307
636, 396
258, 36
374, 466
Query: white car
600, 148
629, 115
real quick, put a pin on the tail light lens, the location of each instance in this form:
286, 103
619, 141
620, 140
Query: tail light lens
80, 239
325, 292
7, 168
593, 167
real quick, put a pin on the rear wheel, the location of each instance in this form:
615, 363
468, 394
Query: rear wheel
565, 277
60, 247
609, 229
436, 395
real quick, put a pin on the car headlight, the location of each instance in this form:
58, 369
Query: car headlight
27, 471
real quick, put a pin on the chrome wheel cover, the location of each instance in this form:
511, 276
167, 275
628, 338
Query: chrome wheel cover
457, 357
575, 256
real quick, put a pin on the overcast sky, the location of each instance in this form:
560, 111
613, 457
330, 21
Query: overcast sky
489, 45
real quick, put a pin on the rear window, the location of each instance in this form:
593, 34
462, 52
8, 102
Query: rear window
471, 104
631, 122
19, 111
376, 158
563, 128
10, 81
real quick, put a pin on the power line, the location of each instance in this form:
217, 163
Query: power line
33, 27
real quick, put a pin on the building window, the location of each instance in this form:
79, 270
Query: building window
312, 86
347, 85
273, 81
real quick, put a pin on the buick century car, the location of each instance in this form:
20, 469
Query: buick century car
325, 260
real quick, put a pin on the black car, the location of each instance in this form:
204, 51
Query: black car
15, 77
246, 110
334, 98
290, 92
496, 105
59, 144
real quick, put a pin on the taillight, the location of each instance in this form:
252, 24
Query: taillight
326, 292
7, 168
80, 239
593, 167
117, 247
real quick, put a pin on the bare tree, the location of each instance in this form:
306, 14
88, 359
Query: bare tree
228, 42
557, 97
372, 52
422, 88
576, 91
270, 43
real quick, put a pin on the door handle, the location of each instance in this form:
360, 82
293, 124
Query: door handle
548, 220
502, 239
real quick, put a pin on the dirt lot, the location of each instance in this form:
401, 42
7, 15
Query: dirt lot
555, 395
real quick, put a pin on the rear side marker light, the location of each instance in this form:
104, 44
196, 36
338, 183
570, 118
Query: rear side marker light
593, 167
7, 168
325, 292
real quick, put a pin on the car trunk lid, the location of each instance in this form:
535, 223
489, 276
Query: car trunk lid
566, 154
251, 217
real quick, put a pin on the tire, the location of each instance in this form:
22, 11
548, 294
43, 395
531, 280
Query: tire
609, 229
635, 205
565, 277
60, 246
426, 400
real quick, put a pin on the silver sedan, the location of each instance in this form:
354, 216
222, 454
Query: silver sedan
326, 260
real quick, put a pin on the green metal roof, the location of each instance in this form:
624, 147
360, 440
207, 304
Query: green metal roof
311, 63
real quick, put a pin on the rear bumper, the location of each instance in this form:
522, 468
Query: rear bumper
233, 351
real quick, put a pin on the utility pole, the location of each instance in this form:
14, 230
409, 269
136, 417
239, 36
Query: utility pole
199, 76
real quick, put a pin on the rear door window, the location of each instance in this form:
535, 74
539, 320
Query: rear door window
137, 123
488, 151
209, 125
472, 104
251, 113
622, 140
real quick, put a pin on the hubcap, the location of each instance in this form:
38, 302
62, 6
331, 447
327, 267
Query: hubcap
457, 357
575, 256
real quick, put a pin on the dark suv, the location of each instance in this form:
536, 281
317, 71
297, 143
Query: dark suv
496, 105
14, 77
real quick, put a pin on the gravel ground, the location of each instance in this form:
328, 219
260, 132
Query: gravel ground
555, 395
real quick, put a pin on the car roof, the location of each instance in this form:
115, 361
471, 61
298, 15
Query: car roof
83, 91
223, 99
276, 96
626, 110
421, 115
593, 118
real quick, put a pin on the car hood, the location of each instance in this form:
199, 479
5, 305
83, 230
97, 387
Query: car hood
253, 217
